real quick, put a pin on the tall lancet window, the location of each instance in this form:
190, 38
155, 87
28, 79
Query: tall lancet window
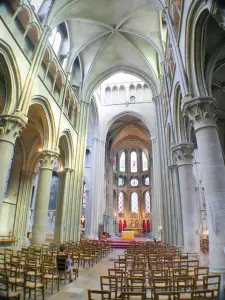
133, 162
122, 162
114, 163
144, 162
134, 203
147, 203
121, 203
84, 195
36, 4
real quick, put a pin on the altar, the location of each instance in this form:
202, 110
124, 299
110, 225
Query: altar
138, 231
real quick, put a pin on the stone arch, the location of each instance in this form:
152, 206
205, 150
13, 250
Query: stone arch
196, 20
179, 120
66, 149
153, 85
25, 16
48, 121
12, 77
124, 113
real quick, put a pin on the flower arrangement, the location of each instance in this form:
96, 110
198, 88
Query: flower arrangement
160, 229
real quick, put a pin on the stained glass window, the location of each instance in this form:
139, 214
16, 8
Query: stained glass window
147, 203
134, 203
120, 181
84, 195
147, 181
133, 161
55, 40
134, 182
122, 162
121, 203
114, 163
144, 162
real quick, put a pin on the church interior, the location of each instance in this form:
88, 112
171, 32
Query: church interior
112, 142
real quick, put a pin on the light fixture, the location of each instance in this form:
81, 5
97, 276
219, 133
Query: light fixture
40, 150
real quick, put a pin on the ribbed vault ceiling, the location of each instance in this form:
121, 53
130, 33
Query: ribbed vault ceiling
110, 34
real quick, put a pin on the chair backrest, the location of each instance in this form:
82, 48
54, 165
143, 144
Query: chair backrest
203, 295
61, 262
167, 296
110, 283
99, 295
212, 282
4, 287
133, 296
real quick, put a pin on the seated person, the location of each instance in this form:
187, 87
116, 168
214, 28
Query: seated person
68, 261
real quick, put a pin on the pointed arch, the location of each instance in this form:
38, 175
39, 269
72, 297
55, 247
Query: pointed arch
48, 121
66, 149
12, 76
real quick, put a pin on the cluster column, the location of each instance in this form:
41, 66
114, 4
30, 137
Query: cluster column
62, 204
97, 188
48, 159
178, 208
201, 113
10, 128
183, 154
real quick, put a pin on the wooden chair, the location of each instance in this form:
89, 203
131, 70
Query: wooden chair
185, 286
32, 281
5, 290
16, 272
110, 283
120, 276
212, 283
199, 275
49, 274
135, 284
99, 295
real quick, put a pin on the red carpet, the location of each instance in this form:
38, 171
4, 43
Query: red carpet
123, 244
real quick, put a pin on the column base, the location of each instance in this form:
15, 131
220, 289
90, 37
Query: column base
92, 237
23, 241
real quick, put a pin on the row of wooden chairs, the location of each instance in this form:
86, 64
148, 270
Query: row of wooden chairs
158, 272
32, 269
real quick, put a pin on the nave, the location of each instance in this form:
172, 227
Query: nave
145, 270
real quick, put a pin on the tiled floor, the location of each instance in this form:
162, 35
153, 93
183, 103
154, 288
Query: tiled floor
88, 279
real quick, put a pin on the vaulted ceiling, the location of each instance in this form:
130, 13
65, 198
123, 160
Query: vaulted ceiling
111, 34
128, 132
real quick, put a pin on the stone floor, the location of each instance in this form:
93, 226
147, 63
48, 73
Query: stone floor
88, 279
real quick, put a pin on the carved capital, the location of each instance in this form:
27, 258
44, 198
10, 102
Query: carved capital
48, 159
183, 154
10, 127
200, 111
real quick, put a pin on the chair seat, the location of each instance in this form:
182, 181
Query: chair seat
49, 276
33, 273
15, 280
31, 285
3, 294
185, 296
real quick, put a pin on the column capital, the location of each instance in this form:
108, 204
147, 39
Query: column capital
172, 167
200, 111
10, 127
183, 154
48, 159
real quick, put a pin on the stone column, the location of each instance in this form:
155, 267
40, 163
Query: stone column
61, 205
10, 127
183, 154
48, 159
178, 208
157, 207
201, 113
